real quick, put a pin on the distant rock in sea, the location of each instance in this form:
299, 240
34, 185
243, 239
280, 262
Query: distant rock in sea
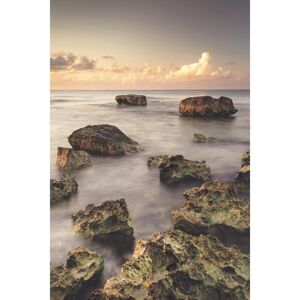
107, 220
70, 159
102, 139
81, 269
62, 189
131, 99
201, 138
207, 106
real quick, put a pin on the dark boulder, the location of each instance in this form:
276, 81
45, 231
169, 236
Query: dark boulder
62, 189
131, 99
70, 159
102, 139
207, 106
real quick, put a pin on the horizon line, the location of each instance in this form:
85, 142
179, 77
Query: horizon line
104, 90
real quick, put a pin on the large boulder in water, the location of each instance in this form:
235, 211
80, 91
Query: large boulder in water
102, 139
243, 177
81, 269
176, 265
177, 169
107, 220
213, 208
207, 106
70, 159
131, 99
62, 189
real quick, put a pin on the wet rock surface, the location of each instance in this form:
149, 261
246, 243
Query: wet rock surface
156, 161
176, 265
177, 169
213, 208
70, 159
243, 177
62, 189
207, 106
110, 219
201, 138
81, 269
131, 99
102, 139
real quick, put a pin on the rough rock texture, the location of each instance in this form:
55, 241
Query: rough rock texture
62, 189
81, 268
156, 161
70, 159
213, 208
177, 169
109, 219
175, 265
201, 138
207, 106
102, 139
139, 100
243, 177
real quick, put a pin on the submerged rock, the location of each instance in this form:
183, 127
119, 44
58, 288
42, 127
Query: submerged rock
201, 138
131, 99
207, 106
81, 269
156, 161
213, 208
243, 177
177, 169
102, 139
109, 219
70, 159
62, 189
175, 265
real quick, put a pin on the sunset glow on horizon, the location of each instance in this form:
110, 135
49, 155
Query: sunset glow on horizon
134, 44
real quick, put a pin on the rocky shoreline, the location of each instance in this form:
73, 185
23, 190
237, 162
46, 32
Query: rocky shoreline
189, 261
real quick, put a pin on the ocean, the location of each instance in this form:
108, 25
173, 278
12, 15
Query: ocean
159, 129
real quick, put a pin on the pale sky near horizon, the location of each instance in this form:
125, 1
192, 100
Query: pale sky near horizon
157, 44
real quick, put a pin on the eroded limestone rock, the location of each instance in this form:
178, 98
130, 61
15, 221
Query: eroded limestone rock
70, 159
243, 177
176, 265
207, 106
131, 99
107, 220
62, 189
156, 161
102, 139
81, 269
213, 208
177, 169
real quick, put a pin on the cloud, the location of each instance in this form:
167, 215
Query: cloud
60, 61
108, 57
195, 69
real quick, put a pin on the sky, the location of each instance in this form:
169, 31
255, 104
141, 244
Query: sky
150, 44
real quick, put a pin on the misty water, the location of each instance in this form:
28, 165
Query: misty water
159, 129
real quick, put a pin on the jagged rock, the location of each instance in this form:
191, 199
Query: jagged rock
176, 265
177, 169
62, 189
207, 106
213, 208
70, 159
102, 139
109, 219
81, 269
156, 161
243, 177
139, 100
201, 138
